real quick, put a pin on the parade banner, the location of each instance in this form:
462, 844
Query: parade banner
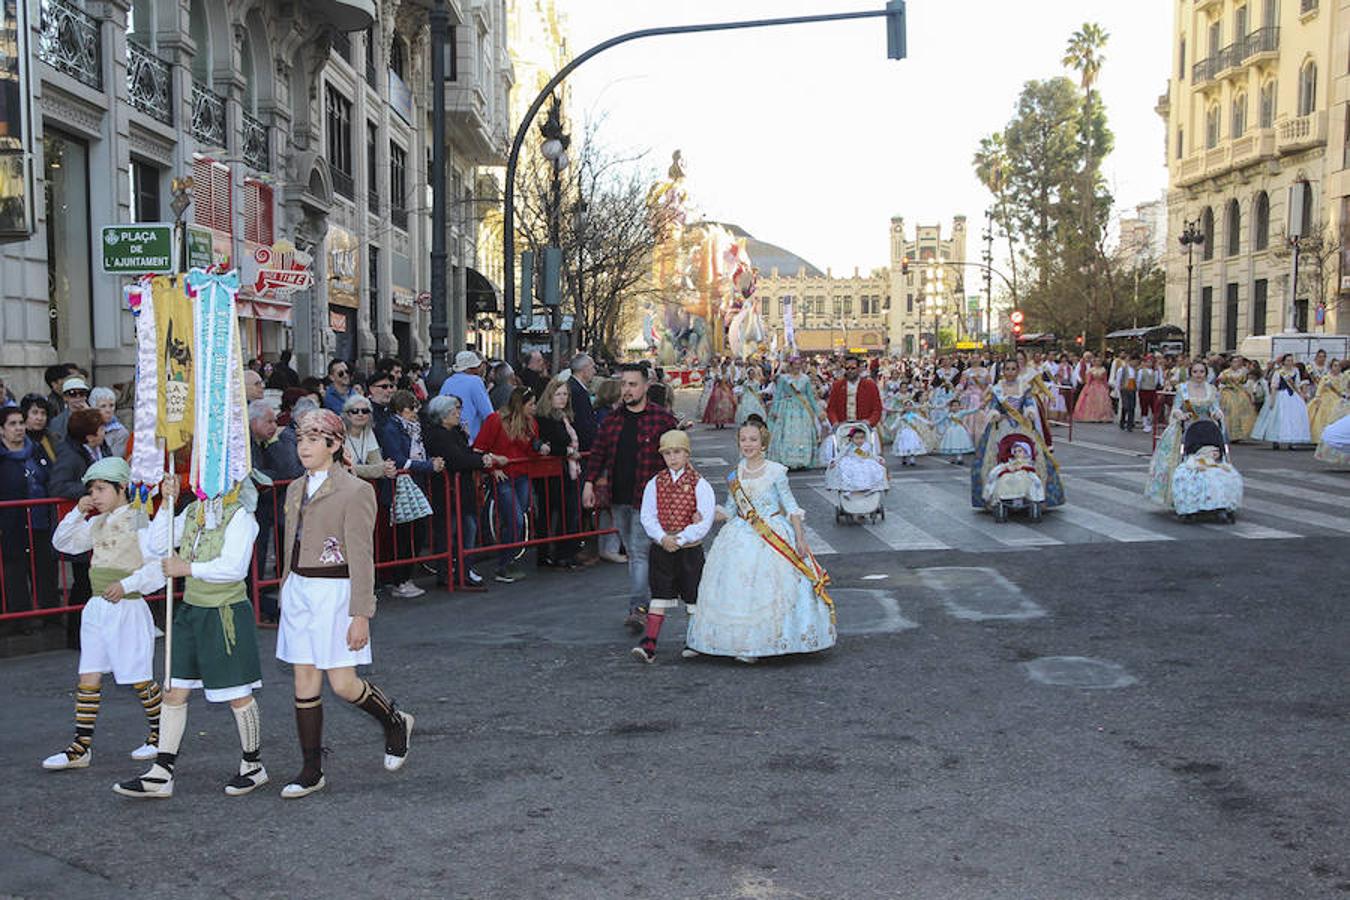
147, 461
174, 354
220, 458
789, 328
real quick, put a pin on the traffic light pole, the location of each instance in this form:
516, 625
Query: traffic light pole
894, 12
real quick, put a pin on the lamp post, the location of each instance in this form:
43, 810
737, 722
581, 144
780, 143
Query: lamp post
932, 297
578, 303
1191, 235
439, 330
556, 142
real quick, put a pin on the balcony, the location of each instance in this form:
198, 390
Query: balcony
1253, 147
1261, 45
1202, 5
69, 42
149, 83
1229, 59
342, 183
1307, 6
1218, 159
208, 116
1300, 133
1206, 70
399, 217
257, 145
467, 105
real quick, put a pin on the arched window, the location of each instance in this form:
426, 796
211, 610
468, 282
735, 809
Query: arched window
1267, 113
1207, 229
141, 23
1307, 88
1212, 127
1261, 221
201, 36
1238, 119
397, 57
1307, 209
249, 74
1232, 227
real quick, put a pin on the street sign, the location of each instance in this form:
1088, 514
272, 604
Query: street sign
199, 247
972, 303
139, 249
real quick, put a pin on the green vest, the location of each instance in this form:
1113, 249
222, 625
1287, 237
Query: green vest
203, 546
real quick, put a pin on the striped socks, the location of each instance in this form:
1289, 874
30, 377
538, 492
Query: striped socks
376, 704
149, 693
86, 712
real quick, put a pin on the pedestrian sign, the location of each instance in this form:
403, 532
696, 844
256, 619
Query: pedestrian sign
139, 249
199, 249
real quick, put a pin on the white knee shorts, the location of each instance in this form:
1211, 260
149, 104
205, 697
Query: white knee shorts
118, 638
314, 623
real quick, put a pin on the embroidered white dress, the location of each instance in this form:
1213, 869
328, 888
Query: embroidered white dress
751, 600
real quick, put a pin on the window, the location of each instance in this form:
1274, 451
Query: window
212, 205
396, 57
370, 56
1268, 105
909, 303
1233, 227
848, 306
1261, 222
1215, 38
1307, 220
1238, 120
145, 205
1181, 142
1301, 315
373, 280
1212, 128
372, 166
1207, 229
338, 111
1239, 27
1206, 319
1230, 317
1307, 88
1181, 59
258, 213
1271, 13
398, 185
1259, 289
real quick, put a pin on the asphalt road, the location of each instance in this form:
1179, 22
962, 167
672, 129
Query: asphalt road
1084, 716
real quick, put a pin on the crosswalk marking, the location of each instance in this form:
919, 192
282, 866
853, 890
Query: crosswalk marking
1110, 526
1257, 483
1138, 501
1251, 531
1305, 516
1012, 534
1324, 479
819, 546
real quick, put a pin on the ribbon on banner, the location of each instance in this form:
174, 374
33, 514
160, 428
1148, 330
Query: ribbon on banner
220, 458
147, 463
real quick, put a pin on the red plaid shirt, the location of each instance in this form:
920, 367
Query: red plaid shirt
653, 422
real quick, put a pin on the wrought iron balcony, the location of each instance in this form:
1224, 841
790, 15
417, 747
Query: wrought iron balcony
69, 41
1262, 40
399, 217
342, 183
257, 146
1205, 70
208, 116
373, 201
149, 83
1307, 6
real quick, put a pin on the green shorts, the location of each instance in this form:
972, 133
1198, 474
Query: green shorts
200, 658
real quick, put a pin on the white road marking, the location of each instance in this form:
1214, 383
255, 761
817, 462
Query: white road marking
1012, 534
875, 577
1259, 483
1109, 526
1138, 501
976, 594
819, 546
894, 531
708, 461
1323, 478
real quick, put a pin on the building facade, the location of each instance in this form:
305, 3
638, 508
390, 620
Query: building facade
305, 126
1256, 131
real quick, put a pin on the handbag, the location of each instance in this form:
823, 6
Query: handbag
600, 490
410, 504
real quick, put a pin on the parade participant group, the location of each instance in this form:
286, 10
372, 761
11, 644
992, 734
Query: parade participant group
750, 589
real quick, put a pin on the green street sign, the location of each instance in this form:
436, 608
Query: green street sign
139, 249
972, 304
199, 249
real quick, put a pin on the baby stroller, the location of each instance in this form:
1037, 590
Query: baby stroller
1014, 483
1205, 482
854, 506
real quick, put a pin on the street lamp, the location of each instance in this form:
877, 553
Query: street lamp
1191, 235
933, 289
556, 142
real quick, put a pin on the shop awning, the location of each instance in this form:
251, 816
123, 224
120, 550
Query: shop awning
481, 294
266, 310
345, 15
1151, 333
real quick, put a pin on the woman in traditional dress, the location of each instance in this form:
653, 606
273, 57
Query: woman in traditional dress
973, 401
953, 439
1287, 422
1061, 387
1326, 402
748, 400
1238, 409
1094, 402
794, 419
1196, 399
892, 405
1335, 445
762, 592
1012, 409
720, 409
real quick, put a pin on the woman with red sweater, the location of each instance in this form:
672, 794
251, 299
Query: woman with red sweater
512, 432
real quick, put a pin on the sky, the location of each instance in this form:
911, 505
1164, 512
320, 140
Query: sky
810, 138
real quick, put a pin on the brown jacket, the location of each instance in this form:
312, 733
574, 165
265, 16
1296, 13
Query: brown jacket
339, 531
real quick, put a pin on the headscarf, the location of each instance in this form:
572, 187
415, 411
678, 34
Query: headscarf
112, 469
321, 423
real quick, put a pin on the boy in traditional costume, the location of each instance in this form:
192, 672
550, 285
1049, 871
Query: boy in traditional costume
328, 597
215, 640
117, 633
677, 513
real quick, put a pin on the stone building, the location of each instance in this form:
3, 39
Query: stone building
305, 125
1251, 107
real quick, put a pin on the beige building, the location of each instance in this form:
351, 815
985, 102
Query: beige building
1250, 109
880, 312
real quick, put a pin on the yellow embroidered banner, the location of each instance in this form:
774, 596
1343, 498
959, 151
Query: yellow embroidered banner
175, 353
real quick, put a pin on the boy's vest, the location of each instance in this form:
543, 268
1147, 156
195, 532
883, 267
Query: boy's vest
117, 550
676, 501
200, 545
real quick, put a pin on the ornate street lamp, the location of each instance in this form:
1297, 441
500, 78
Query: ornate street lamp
1191, 236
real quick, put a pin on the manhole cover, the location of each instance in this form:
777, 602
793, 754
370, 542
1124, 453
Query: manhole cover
1078, 671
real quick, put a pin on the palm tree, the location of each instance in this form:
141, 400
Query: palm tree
1084, 55
991, 167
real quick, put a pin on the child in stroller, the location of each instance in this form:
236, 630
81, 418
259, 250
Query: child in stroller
1014, 483
1205, 481
856, 473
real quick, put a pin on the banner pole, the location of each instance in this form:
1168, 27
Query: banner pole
168, 582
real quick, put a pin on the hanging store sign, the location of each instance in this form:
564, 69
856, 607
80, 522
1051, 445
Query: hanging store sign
344, 270
141, 249
200, 247
278, 271
337, 321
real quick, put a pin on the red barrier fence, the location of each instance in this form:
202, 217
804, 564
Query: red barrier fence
40, 582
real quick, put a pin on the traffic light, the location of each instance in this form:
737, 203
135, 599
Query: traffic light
895, 29
1016, 317
904, 265
552, 276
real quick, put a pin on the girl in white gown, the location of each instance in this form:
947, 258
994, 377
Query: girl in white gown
762, 592
1284, 420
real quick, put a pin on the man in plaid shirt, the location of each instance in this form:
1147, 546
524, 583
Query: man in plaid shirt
626, 454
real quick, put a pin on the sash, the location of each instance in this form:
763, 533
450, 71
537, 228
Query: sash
806, 404
1024, 425
808, 567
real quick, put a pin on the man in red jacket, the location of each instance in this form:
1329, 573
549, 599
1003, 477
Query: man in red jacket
854, 398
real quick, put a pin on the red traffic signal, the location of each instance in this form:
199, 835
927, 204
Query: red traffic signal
1078, 340
904, 265
1016, 317
1017, 328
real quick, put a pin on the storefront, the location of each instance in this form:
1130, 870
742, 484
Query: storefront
344, 292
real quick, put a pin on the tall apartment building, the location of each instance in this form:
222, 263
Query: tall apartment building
304, 123
1251, 105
